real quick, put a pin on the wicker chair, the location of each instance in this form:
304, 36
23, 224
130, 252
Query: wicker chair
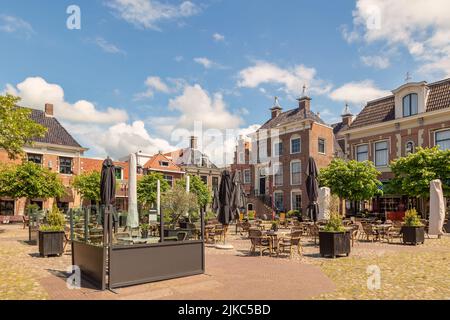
258, 240
369, 231
313, 231
290, 242
394, 232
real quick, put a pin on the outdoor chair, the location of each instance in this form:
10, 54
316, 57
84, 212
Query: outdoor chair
394, 232
259, 241
369, 231
182, 236
313, 231
289, 242
283, 221
26, 221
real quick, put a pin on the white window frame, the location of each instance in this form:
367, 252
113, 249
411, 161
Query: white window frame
295, 137
356, 151
290, 172
275, 150
121, 172
375, 153
249, 176
274, 199
277, 167
324, 146
435, 134
410, 100
292, 198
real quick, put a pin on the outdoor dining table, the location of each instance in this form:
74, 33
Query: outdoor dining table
274, 237
381, 229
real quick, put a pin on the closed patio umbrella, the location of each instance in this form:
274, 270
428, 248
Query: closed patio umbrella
133, 215
224, 206
224, 198
312, 188
107, 188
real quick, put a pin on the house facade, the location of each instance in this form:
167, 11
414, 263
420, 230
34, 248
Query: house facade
417, 114
278, 157
57, 151
194, 162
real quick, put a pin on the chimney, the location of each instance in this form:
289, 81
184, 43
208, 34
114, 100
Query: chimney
193, 144
347, 116
304, 103
48, 110
276, 109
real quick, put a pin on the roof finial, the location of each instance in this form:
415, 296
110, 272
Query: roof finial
304, 90
408, 77
277, 103
347, 111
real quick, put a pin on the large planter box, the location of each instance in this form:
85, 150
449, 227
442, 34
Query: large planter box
334, 243
174, 232
51, 243
413, 235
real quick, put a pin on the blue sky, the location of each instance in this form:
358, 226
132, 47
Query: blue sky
140, 69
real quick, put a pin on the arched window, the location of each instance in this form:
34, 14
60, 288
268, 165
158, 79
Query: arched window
409, 147
410, 104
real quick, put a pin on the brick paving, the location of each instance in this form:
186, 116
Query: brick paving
407, 272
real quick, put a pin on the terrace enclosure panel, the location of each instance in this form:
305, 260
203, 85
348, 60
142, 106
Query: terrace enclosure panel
92, 262
130, 265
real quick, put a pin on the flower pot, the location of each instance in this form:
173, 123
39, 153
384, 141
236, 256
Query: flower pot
413, 235
334, 243
144, 233
51, 243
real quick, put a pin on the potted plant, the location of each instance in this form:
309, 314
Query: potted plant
274, 226
413, 230
334, 239
144, 229
51, 234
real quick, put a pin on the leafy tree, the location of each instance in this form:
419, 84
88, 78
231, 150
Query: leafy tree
413, 173
197, 186
88, 185
30, 180
146, 188
176, 203
351, 180
16, 127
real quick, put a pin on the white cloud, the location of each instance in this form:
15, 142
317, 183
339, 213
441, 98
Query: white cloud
156, 84
148, 13
421, 27
179, 58
207, 63
218, 37
378, 62
195, 104
36, 91
16, 25
107, 46
358, 92
292, 79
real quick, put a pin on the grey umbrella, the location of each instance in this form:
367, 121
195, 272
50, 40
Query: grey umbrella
224, 197
108, 187
312, 188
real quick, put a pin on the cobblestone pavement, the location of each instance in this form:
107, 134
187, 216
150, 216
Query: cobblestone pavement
407, 272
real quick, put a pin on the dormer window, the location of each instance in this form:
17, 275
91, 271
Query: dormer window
164, 163
410, 104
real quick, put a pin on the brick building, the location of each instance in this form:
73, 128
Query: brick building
417, 114
194, 162
278, 156
59, 152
